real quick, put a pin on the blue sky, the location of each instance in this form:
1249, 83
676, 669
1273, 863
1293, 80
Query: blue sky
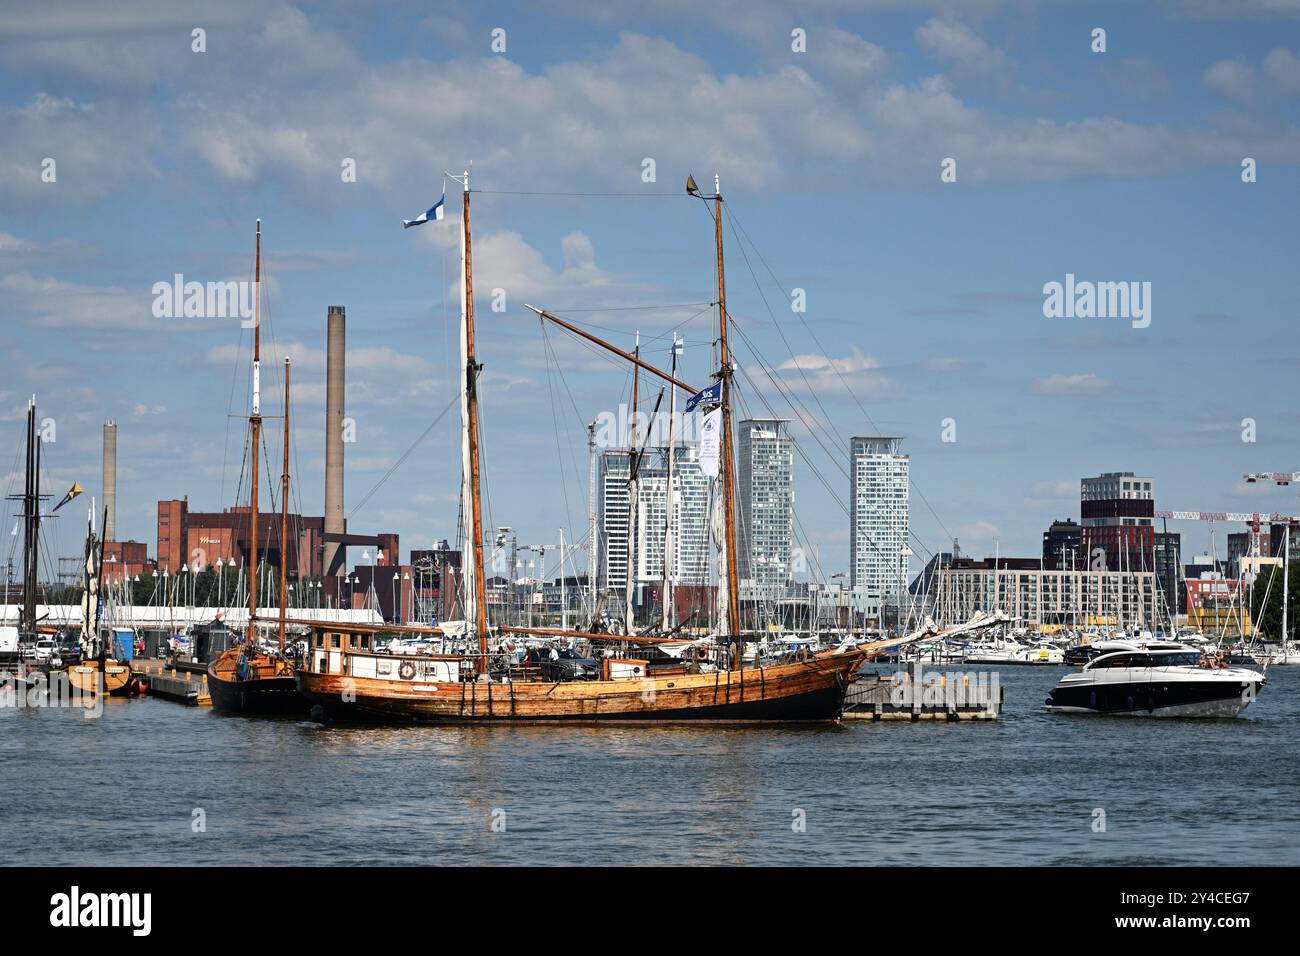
925, 297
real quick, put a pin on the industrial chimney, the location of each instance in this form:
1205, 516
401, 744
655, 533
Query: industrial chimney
335, 381
110, 481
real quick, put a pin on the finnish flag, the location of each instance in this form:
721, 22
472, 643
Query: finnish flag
434, 213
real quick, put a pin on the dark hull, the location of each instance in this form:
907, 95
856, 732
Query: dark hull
265, 695
821, 705
1152, 697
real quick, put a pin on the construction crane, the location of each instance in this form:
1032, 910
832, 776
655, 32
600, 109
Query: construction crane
1281, 477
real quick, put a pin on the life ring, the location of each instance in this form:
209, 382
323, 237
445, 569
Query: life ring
407, 670
701, 654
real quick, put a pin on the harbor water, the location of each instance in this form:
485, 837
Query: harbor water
153, 782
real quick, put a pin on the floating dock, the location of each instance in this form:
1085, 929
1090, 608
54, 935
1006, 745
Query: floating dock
185, 683
914, 694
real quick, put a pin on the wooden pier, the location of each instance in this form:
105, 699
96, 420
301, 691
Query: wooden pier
182, 682
912, 694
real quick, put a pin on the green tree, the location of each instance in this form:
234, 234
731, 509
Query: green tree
1268, 615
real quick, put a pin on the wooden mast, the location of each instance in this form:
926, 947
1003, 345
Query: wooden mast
633, 496
471, 403
728, 455
595, 340
255, 430
666, 599
284, 511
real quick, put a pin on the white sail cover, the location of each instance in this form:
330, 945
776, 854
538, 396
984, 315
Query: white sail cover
711, 442
718, 528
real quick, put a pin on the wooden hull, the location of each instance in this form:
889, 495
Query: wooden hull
811, 690
267, 689
85, 677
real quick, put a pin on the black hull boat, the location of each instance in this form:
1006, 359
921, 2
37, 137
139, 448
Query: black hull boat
1167, 682
265, 687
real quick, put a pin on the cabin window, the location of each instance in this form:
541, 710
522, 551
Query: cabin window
335, 640
384, 667
430, 670
320, 639
365, 642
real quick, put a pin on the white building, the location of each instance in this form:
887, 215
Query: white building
1045, 597
690, 519
878, 518
765, 505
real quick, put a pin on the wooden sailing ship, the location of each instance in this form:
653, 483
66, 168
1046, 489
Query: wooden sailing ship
249, 678
347, 676
98, 672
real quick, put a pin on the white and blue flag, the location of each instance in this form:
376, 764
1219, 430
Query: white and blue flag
434, 213
710, 396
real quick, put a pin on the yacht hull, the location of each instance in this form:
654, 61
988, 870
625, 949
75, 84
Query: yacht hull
1155, 698
806, 691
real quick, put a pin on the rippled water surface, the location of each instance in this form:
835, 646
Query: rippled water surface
123, 788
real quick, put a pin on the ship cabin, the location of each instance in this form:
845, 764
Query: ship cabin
352, 653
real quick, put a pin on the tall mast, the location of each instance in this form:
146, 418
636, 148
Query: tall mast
728, 454
633, 496
669, 503
594, 533
284, 510
255, 432
31, 522
470, 446
1286, 578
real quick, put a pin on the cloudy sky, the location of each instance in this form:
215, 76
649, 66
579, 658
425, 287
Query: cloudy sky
924, 297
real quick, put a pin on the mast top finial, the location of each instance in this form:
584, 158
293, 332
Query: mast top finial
467, 180
717, 184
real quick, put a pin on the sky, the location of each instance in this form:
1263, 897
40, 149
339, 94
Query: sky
829, 124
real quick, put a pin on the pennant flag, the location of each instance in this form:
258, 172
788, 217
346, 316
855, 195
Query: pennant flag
691, 188
72, 493
434, 213
710, 396
710, 443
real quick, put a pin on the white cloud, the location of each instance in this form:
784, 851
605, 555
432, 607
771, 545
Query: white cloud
1283, 68
1058, 488
1231, 78
1080, 383
95, 147
824, 364
953, 42
58, 303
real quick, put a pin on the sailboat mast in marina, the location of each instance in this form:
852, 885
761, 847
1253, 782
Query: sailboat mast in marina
255, 443
248, 678
732, 584
475, 583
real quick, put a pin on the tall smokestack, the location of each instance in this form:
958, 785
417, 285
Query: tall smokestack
110, 480
335, 383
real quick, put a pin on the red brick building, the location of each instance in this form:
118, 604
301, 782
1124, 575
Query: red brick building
201, 538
